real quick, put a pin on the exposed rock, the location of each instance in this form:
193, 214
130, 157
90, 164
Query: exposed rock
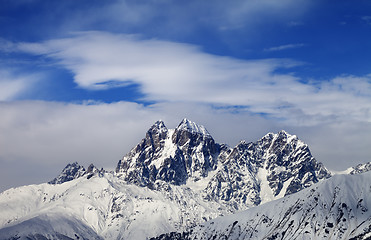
243, 176
73, 171
170, 155
361, 168
70, 172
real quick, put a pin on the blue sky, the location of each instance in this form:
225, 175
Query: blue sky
83, 80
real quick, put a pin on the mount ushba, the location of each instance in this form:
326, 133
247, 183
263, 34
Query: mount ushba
178, 184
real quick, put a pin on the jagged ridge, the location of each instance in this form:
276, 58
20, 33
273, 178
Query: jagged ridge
73, 171
243, 176
361, 168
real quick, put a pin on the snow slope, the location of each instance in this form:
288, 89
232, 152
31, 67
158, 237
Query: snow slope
101, 207
337, 208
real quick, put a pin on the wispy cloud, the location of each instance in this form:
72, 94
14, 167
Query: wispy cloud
285, 47
216, 14
367, 19
175, 17
168, 71
295, 23
250, 14
12, 84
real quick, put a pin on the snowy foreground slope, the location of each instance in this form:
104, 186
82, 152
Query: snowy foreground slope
337, 208
172, 181
102, 207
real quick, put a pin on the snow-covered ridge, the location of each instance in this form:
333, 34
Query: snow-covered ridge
360, 168
101, 207
337, 208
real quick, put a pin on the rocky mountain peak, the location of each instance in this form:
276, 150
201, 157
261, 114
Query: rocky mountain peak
192, 127
171, 155
156, 134
274, 166
73, 171
70, 172
159, 127
284, 133
250, 173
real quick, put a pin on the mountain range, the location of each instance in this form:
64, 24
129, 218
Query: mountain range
180, 184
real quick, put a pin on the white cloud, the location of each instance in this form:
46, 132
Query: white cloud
49, 135
9, 89
168, 71
46, 129
338, 145
284, 47
12, 85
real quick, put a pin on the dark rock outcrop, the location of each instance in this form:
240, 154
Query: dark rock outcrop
73, 171
172, 156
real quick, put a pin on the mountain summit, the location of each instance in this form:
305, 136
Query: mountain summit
170, 155
192, 127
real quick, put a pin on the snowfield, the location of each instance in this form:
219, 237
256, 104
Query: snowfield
105, 207
337, 208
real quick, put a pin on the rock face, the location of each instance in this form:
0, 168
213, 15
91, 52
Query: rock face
240, 177
172, 155
361, 168
73, 171
275, 166
70, 172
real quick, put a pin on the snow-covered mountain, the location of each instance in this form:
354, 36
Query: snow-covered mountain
103, 207
337, 208
240, 177
171, 181
275, 166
